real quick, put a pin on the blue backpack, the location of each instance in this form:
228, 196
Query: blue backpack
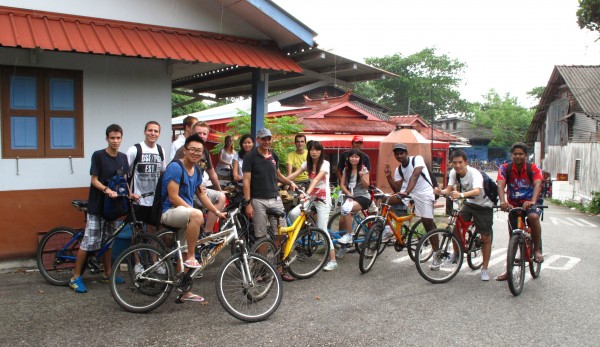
119, 206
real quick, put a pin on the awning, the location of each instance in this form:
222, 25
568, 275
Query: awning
335, 141
68, 33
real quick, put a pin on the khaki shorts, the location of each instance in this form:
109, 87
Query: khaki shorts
178, 217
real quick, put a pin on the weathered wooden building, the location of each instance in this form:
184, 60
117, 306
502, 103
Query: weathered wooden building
566, 130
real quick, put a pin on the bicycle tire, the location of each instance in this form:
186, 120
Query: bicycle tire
438, 270
50, 252
266, 247
149, 239
310, 253
515, 265
475, 251
136, 294
416, 233
369, 249
238, 298
534, 268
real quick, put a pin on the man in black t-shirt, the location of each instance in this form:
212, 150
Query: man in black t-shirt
357, 142
106, 163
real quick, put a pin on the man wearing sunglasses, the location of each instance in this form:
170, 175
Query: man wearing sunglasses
357, 142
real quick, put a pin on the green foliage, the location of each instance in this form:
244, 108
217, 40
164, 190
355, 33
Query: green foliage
186, 109
594, 205
536, 93
509, 121
588, 14
283, 129
426, 82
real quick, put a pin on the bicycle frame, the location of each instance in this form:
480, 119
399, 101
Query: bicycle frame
292, 231
460, 227
389, 215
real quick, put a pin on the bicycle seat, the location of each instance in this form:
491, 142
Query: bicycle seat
80, 204
275, 212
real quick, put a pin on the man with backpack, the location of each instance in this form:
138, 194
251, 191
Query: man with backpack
523, 184
412, 178
108, 165
465, 182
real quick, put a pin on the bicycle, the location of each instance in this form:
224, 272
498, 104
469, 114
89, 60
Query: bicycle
248, 286
458, 238
405, 237
520, 249
304, 249
57, 250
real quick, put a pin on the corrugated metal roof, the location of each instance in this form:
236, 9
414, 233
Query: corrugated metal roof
68, 33
584, 83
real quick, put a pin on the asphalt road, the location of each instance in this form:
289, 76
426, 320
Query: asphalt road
390, 306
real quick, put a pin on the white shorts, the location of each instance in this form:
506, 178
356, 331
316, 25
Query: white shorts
423, 207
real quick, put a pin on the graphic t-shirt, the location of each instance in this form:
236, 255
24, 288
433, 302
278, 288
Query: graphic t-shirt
472, 180
422, 189
146, 171
322, 188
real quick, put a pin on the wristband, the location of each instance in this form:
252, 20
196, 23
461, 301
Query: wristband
104, 190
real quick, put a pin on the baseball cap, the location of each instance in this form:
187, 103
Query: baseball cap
357, 139
263, 133
400, 146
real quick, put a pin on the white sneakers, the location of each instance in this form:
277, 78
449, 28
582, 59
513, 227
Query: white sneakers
485, 275
346, 239
331, 265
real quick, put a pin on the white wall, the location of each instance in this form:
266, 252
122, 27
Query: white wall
126, 91
203, 15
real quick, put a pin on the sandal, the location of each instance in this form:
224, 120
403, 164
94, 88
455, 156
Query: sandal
287, 277
502, 277
538, 257
193, 298
192, 264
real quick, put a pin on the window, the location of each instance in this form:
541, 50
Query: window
577, 169
447, 125
42, 113
454, 125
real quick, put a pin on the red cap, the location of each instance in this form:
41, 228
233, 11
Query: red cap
357, 139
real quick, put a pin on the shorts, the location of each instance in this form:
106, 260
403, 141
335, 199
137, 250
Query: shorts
423, 207
178, 217
213, 196
142, 213
513, 216
363, 202
483, 217
97, 231
260, 207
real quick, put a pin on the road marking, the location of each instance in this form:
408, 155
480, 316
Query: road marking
401, 259
572, 222
568, 265
492, 262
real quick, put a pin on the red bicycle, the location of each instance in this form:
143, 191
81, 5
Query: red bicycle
520, 249
448, 247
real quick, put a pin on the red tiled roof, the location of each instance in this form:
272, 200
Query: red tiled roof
69, 33
345, 125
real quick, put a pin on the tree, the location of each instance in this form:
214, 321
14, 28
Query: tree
283, 129
186, 109
427, 83
509, 121
588, 14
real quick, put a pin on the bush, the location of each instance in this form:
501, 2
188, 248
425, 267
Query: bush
594, 205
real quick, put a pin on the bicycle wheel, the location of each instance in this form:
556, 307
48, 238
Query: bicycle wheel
266, 247
439, 245
56, 254
362, 229
250, 291
534, 268
149, 239
475, 252
147, 289
310, 253
515, 265
168, 238
416, 233
369, 249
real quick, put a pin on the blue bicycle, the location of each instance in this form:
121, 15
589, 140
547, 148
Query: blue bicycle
57, 250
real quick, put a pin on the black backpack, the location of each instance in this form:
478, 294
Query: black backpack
509, 167
431, 180
119, 206
138, 157
157, 203
490, 188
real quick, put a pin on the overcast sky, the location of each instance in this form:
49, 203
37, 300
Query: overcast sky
510, 45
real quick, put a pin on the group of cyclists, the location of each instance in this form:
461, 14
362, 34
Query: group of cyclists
256, 169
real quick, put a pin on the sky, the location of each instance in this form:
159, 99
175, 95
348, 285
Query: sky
510, 45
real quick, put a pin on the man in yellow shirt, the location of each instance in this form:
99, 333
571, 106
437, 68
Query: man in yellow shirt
296, 158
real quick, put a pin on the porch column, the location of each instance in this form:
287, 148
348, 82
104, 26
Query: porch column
260, 87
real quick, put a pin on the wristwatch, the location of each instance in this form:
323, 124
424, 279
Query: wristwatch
462, 196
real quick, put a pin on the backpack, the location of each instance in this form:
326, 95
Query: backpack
138, 157
490, 188
157, 203
509, 167
119, 206
431, 180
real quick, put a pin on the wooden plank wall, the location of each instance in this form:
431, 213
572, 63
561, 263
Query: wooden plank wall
561, 159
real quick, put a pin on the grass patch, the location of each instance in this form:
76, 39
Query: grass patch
592, 207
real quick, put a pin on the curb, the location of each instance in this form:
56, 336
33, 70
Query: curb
17, 265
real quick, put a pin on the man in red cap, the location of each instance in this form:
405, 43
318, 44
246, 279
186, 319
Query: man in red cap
357, 142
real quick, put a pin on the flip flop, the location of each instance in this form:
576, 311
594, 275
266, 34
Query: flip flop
539, 259
192, 264
193, 298
502, 277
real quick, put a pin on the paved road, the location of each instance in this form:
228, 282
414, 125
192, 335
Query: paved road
392, 305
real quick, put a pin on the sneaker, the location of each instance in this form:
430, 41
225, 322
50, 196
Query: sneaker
118, 280
485, 275
450, 260
346, 239
77, 285
332, 265
340, 253
387, 235
435, 264
138, 268
161, 269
